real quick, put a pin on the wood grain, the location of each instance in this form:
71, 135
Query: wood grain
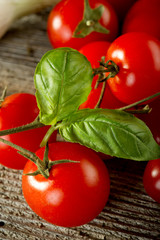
129, 213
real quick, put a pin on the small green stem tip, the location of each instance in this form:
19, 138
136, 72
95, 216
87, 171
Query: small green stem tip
3, 95
47, 136
139, 102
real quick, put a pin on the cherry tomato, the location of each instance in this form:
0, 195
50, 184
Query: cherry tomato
151, 179
144, 16
137, 56
94, 51
17, 110
67, 14
121, 7
152, 119
74, 193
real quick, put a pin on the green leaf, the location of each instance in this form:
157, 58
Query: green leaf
112, 132
90, 22
63, 80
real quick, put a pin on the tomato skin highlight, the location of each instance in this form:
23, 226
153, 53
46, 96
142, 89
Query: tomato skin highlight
74, 193
137, 56
66, 15
17, 110
151, 179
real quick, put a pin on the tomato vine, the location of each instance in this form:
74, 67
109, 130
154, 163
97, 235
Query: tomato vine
63, 80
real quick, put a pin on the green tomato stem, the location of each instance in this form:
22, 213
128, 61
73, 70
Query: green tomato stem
30, 155
145, 109
47, 135
45, 158
52, 163
32, 125
43, 166
3, 95
139, 102
101, 95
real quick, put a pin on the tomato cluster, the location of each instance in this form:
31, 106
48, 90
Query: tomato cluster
52, 198
125, 57
134, 47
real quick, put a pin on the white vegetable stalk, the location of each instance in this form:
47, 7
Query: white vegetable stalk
11, 10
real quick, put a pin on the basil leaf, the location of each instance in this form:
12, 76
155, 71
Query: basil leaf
112, 132
63, 80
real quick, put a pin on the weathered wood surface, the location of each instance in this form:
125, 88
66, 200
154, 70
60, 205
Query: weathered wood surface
129, 213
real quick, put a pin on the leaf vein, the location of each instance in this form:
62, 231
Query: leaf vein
62, 82
47, 95
117, 142
52, 66
121, 128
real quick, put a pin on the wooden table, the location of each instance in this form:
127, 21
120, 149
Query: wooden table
129, 213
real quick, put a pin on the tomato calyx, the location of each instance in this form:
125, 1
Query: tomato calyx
43, 166
112, 68
109, 66
106, 67
90, 21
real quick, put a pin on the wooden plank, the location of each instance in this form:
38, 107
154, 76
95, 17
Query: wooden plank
129, 213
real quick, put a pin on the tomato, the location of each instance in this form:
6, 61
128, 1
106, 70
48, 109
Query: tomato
144, 16
67, 14
74, 193
151, 179
137, 56
121, 7
152, 119
17, 110
94, 52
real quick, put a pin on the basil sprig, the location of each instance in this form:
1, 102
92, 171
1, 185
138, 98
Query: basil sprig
63, 80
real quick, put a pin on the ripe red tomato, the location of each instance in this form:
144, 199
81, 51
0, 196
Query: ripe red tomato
94, 52
144, 16
74, 193
137, 56
65, 17
17, 110
121, 7
152, 119
151, 179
